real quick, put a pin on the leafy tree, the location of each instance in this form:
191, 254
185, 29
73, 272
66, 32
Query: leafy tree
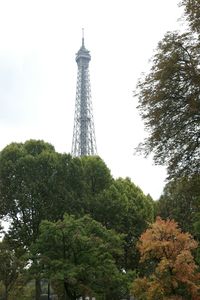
169, 100
89, 176
168, 252
192, 14
32, 188
80, 253
181, 201
96, 174
25, 172
37, 183
10, 268
124, 208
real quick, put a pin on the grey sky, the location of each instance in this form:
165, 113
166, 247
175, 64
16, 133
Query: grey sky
39, 40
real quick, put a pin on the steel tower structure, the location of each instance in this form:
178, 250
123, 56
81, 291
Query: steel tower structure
83, 142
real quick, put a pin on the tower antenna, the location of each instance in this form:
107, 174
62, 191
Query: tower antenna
83, 37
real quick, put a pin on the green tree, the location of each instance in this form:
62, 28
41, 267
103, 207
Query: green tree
124, 208
169, 101
96, 174
37, 183
89, 176
81, 254
168, 252
10, 268
181, 201
25, 191
192, 14
33, 187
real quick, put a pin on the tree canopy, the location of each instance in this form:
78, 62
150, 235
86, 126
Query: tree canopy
81, 253
192, 14
169, 104
168, 252
37, 183
27, 188
169, 100
181, 201
124, 208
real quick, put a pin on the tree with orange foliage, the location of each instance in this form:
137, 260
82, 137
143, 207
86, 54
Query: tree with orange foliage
173, 273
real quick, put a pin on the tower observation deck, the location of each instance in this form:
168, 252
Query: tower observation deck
83, 142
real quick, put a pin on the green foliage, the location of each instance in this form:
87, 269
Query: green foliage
81, 253
10, 268
181, 201
88, 177
32, 188
22, 290
96, 174
37, 183
28, 187
169, 104
192, 14
124, 208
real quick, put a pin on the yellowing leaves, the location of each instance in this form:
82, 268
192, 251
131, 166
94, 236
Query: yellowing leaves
174, 274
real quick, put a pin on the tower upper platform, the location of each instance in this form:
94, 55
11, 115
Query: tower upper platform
83, 55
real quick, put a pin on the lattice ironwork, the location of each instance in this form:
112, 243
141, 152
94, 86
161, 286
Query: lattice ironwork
84, 141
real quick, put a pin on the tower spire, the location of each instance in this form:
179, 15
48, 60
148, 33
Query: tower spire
83, 43
83, 142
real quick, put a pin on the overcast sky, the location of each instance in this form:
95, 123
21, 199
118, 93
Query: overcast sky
38, 42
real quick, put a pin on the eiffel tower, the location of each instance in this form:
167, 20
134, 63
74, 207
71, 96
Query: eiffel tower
83, 142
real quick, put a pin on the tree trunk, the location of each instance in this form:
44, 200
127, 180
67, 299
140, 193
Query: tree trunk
6, 293
37, 289
49, 290
68, 294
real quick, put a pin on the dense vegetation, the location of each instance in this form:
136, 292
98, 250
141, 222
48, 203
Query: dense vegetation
70, 221
76, 231
169, 104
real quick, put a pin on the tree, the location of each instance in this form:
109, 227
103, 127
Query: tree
173, 272
33, 187
37, 183
10, 267
124, 208
192, 14
25, 190
169, 101
81, 254
181, 201
96, 174
89, 176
